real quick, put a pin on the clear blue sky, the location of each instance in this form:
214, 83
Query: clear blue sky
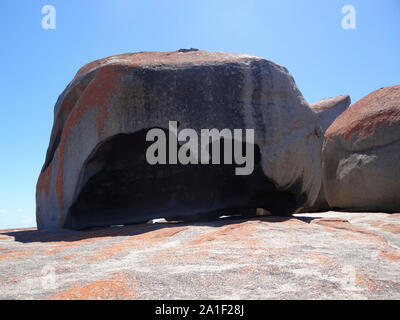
304, 35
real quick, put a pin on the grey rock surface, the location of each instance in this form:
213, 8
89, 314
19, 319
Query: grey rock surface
361, 155
95, 173
330, 255
327, 110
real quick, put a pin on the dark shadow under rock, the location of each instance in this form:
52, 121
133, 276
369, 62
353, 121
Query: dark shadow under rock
118, 186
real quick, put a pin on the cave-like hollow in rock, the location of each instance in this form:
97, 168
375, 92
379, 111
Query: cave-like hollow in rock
118, 187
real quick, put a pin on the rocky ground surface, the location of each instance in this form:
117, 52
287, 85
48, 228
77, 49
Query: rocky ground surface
310, 256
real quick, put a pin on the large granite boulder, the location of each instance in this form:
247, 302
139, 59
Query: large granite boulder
361, 155
96, 172
327, 110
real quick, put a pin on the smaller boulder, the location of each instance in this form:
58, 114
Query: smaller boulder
327, 110
361, 155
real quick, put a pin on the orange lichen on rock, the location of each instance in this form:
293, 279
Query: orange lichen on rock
323, 260
15, 254
367, 114
45, 179
59, 185
390, 255
344, 224
115, 100
238, 233
391, 227
96, 95
69, 257
259, 258
388, 227
172, 58
120, 286
361, 279
146, 239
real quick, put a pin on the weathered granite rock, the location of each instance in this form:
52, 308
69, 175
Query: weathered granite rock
330, 255
327, 110
361, 155
96, 173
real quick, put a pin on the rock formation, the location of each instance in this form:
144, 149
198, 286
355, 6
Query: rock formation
329, 255
327, 110
96, 174
361, 155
